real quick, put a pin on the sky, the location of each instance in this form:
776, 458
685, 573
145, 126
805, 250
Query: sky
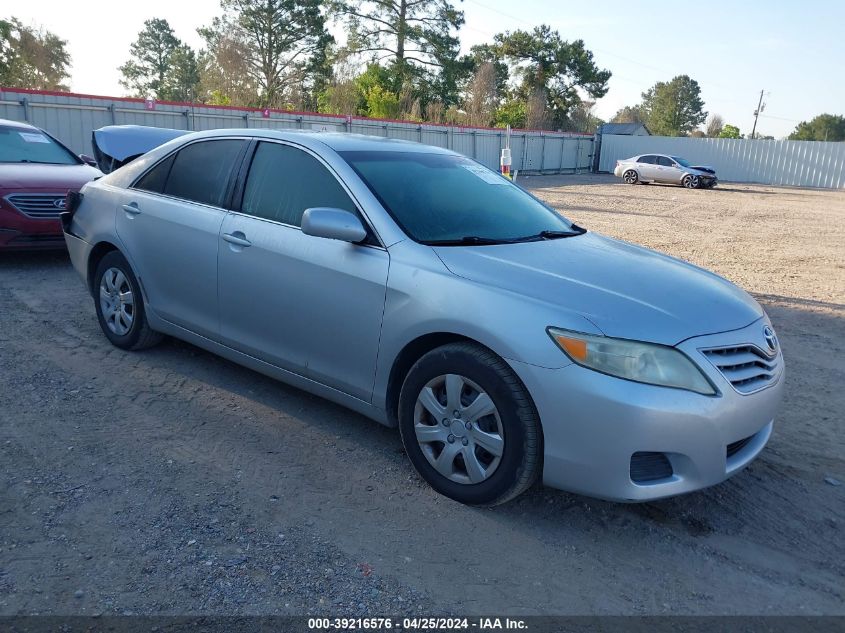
791, 50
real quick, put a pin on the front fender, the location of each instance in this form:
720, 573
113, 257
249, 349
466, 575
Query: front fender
424, 297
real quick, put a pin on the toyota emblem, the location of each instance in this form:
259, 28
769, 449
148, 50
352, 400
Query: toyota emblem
59, 203
771, 339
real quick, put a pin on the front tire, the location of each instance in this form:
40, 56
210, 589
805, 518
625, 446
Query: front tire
631, 177
120, 305
469, 426
691, 182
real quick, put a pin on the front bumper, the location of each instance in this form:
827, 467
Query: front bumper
19, 232
593, 424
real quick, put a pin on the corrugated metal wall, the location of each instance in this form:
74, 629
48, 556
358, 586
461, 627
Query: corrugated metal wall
72, 118
796, 163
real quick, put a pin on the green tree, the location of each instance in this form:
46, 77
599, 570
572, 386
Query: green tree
415, 41
824, 127
32, 58
729, 131
376, 88
145, 71
550, 66
182, 79
674, 108
381, 103
629, 114
413, 35
280, 42
341, 94
512, 112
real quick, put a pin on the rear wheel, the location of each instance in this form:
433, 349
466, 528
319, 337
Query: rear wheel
631, 177
691, 182
469, 426
120, 306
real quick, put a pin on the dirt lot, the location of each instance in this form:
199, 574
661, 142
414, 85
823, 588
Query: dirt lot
172, 481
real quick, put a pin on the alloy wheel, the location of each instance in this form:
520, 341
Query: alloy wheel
691, 182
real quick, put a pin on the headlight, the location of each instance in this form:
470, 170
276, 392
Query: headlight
640, 362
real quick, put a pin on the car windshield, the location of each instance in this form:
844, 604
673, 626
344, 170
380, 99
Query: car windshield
26, 145
448, 199
681, 161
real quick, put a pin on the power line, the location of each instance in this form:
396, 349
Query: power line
502, 13
779, 118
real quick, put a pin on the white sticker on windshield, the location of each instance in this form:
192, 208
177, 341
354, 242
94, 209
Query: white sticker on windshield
485, 174
34, 137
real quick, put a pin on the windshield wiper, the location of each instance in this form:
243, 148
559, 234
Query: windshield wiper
35, 162
474, 240
555, 235
469, 240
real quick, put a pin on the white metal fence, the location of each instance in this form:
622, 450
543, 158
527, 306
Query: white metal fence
71, 118
797, 163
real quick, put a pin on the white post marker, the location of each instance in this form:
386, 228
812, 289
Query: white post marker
505, 160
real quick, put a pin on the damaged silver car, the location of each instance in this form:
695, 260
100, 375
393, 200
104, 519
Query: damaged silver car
666, 169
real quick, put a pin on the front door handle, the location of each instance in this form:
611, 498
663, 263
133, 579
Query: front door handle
132, 208
237, 238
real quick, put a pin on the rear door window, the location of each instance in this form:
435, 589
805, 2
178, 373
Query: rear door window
201, 171
155, 179
648, 159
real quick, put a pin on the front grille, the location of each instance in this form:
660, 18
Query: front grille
746, 367
647, 467
735, 447
40, 206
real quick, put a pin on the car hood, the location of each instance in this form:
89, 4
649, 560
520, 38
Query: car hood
705, 168
625, 290
31, 176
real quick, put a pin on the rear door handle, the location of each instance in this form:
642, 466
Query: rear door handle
132, 208
237, 238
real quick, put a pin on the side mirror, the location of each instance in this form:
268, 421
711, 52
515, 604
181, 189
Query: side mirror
88, 160
334, 224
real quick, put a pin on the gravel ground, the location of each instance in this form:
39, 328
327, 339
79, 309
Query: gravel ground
171, 481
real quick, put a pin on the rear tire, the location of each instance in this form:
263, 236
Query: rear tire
120, 305
631, 177
469, 426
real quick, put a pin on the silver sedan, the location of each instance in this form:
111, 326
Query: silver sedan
425, 291
662, 168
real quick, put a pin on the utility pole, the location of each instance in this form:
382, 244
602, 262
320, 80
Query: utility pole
757, 112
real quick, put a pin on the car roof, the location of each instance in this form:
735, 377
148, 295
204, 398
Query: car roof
338, 141
17, 124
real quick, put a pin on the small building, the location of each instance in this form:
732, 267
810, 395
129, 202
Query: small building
621, 129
